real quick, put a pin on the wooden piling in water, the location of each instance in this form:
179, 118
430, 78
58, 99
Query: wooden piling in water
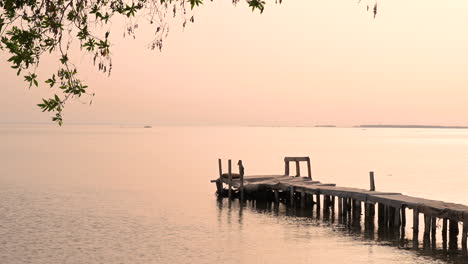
340, 207
453, 234
427, 226
415, 222
381, 214
303, 197
291, 195
464, 234
403, 217
276, 195
230, 179
444, 233
241, 179
433, 226
219, 183
397, 219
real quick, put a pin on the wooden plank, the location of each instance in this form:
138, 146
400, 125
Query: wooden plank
296, 158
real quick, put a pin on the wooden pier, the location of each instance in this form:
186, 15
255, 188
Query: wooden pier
303, 191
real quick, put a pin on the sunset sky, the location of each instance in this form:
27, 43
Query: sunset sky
299, 63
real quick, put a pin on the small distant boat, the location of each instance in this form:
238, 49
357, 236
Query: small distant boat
147, 127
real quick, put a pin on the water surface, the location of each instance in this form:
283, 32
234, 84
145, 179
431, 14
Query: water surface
120, 194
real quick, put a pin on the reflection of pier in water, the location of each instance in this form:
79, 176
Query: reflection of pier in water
367, 214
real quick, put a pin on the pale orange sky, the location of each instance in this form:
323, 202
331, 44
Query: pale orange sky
299, 63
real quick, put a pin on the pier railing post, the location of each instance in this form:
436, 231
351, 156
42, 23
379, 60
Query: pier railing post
219, 182
309, 171
464, 233
372, 183
229, 179
444, 233
241, 178
286, 167
298, 169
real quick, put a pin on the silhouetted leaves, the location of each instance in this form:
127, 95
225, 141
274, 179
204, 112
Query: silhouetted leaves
30, 28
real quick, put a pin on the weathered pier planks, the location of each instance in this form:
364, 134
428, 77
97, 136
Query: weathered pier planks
391, 210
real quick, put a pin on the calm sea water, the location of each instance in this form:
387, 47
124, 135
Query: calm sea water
110, 194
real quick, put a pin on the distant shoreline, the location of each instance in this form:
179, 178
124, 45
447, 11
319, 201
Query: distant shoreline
411, 126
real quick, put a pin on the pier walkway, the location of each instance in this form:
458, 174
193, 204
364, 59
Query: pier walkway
301, 191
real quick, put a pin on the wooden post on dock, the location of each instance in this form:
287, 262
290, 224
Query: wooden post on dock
219, 182
433, 228
298, 169
372, 183
241, 178
318, 202
444, 233
303, 197
340, 207
415, 222
286, 167
397, 220
291, 195
403, 217
427, 226
453, 234
276, 196
332, 206
229, 179
464, 233
309, 171
381, 214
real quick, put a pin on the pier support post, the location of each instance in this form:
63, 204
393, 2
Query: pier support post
427, 226
397, 220
415, 222
291, 195
464, 234
403, 217
433, 231
453, 235
230, 179
303, 194
241, 178
444, 233
317, 204
381, 214
332, 205
219, 182
276, 196
340, 207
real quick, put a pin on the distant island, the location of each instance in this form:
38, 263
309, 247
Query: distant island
410, 126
